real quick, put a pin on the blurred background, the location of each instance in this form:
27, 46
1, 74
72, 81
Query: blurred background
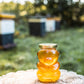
67, 17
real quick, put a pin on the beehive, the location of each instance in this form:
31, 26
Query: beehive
37, 26
50, 25
57, 23
53, 24
7, 29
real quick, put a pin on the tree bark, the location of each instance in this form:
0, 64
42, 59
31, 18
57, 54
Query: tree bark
30, 77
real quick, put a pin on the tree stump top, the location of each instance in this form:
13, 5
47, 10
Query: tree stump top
29, 77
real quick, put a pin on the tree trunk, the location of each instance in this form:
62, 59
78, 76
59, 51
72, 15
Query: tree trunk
30, 77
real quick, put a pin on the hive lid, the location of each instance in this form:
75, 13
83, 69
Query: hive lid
8, 16
54, 18
57, 18
36, 20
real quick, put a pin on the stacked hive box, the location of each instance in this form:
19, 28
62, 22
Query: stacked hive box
57, 23
50, 25
37, 26
53, 24
7, 28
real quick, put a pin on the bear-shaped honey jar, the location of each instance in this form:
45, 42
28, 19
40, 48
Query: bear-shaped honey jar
48, 65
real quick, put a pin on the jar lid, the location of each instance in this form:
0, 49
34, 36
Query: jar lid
47, 45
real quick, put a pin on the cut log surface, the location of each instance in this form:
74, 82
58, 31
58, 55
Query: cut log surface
29, 77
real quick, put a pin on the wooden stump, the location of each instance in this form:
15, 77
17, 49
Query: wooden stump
29, 77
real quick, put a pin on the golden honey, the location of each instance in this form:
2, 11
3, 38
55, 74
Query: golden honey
48, 67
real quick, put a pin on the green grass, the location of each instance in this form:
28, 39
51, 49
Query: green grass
24, 56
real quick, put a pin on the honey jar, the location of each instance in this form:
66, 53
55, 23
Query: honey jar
48, 66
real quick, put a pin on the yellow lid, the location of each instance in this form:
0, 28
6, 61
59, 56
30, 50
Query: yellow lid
50, 18
34, 20
7, 16
57, 18
48, 45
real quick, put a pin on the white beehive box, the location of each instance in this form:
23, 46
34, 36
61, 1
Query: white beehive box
7, 29
7, 24
50, 25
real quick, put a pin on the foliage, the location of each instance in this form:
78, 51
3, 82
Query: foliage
24, 56
17, 8
70, 12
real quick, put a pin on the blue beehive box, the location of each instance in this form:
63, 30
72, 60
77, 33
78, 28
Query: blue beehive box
57, 23
7, 29
37, 26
